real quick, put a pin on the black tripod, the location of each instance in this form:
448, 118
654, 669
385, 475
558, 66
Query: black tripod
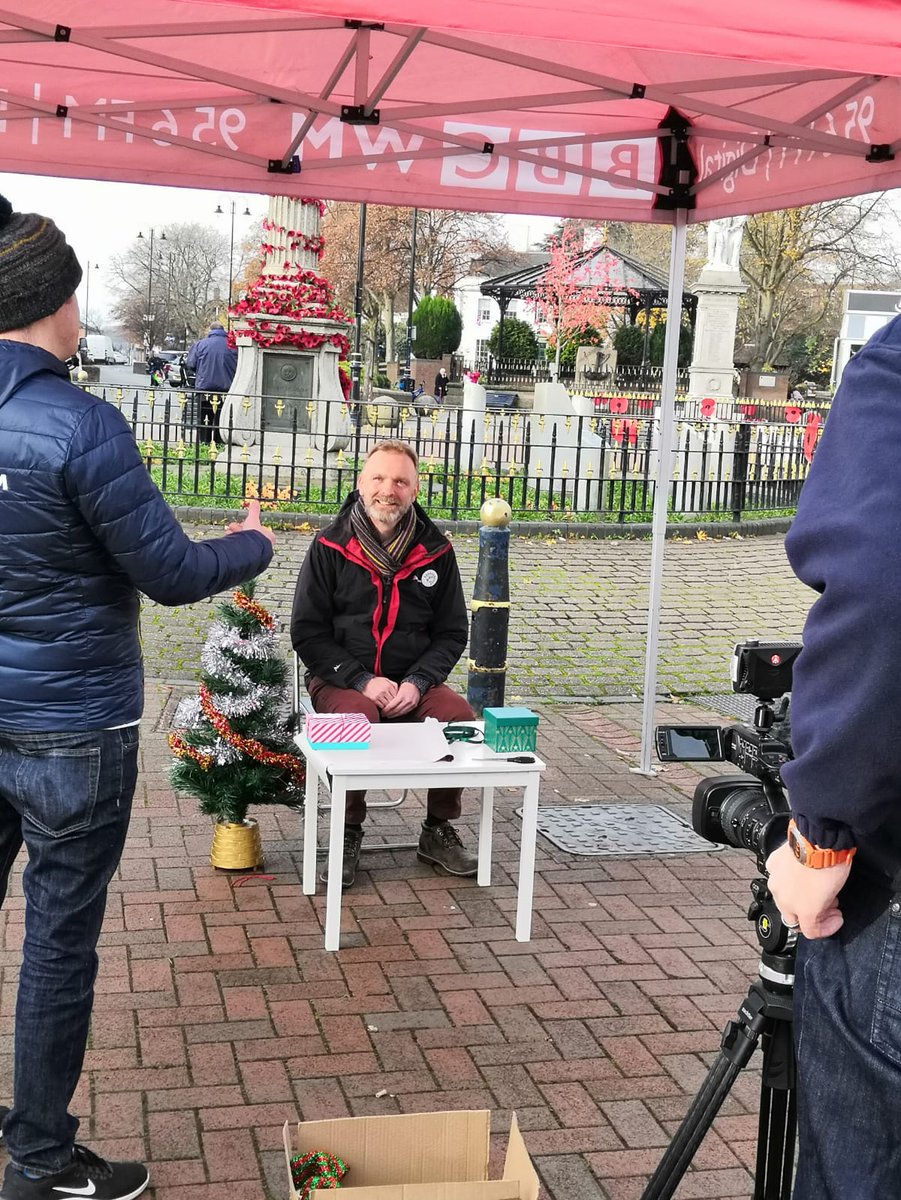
765, 1014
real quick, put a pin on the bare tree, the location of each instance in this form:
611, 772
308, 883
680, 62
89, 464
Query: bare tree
797, 262
179, 293
446, 243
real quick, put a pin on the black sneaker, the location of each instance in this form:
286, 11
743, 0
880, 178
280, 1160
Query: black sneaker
440, 844
353, 840
4, 1113
86, 1175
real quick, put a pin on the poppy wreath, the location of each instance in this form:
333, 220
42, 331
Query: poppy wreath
284, 335
306, 296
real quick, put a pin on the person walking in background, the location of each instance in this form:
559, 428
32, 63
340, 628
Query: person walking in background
442, 383
214, 363
84, 529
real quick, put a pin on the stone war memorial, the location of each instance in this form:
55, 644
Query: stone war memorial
718, 289
290, 337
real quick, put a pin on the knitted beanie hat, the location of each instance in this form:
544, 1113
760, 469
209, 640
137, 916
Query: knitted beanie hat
38, 268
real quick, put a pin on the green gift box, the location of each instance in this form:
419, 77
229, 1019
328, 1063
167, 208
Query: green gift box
509, 729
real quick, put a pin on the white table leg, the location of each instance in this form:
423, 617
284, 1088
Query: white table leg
526, 882
333, 891
486, 826
310, 823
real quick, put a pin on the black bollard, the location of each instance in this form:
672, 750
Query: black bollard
490, 610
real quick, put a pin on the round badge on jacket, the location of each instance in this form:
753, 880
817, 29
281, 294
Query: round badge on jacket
429, 578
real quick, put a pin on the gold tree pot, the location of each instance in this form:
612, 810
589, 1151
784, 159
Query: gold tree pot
236, 847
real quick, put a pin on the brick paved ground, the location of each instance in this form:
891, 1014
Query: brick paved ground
219, 1015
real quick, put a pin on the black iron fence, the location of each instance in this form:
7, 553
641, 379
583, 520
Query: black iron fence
598, 466
526, 372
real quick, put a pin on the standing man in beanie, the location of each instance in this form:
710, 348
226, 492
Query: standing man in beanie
379, 620
214, 363
83, 530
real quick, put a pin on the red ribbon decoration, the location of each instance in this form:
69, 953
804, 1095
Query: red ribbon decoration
811, 434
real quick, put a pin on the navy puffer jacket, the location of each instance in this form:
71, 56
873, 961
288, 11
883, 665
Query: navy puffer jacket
83, 528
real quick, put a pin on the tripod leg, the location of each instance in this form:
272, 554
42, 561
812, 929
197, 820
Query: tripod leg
691, 1132
777, 1126
739, 1040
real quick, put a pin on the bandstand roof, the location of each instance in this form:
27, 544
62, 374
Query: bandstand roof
627, 282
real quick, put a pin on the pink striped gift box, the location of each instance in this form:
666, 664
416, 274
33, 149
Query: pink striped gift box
338, 731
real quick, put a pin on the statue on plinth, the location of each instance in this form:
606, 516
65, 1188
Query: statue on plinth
724, 243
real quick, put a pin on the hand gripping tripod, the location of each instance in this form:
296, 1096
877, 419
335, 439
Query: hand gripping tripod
764, 1015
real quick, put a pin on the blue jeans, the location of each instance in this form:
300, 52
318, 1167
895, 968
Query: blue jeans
848, 1043
68, 797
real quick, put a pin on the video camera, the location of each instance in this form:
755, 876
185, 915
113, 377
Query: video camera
734, 810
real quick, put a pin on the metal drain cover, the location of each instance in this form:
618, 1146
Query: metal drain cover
607, 830
730, 704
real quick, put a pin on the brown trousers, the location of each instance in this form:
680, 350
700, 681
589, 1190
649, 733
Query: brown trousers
440, 702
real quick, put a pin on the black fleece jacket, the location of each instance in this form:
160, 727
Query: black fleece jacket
346, 623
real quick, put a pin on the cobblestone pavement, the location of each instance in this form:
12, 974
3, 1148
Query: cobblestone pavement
219, 1015
579, 616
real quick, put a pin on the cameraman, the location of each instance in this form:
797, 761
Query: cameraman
845, 790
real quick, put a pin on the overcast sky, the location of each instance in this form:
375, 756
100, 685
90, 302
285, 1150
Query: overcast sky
101, 219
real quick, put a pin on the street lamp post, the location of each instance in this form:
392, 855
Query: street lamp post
219, 212
356, 359
148, 316
408, 377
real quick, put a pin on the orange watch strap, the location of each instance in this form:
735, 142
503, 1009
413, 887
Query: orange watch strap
815, 857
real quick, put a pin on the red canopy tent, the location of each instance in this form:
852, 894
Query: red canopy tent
669, 110
525, 107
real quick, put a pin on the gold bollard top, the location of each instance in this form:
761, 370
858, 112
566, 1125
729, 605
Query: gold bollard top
496, 512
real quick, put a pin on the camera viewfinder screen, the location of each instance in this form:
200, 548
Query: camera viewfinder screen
695, 744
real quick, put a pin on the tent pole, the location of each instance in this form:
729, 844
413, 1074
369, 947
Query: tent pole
661, 491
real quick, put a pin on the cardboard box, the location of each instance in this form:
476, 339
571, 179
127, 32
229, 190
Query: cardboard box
338, 731
416, 1156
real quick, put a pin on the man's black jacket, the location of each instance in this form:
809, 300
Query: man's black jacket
347, 623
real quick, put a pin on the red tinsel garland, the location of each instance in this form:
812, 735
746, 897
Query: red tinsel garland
181, 749
247, 745
242, 600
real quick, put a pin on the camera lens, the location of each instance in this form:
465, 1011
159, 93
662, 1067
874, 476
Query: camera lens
744, 816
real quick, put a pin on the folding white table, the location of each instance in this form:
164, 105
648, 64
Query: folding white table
379, 767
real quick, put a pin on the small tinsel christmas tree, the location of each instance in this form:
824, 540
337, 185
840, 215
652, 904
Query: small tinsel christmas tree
232, 742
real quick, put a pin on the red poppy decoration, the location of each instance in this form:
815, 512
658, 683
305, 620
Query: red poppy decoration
793, 414
708, 407
811, 434
344, 377
618, 404
301, 296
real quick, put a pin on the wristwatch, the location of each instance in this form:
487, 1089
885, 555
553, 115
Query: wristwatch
809, 855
